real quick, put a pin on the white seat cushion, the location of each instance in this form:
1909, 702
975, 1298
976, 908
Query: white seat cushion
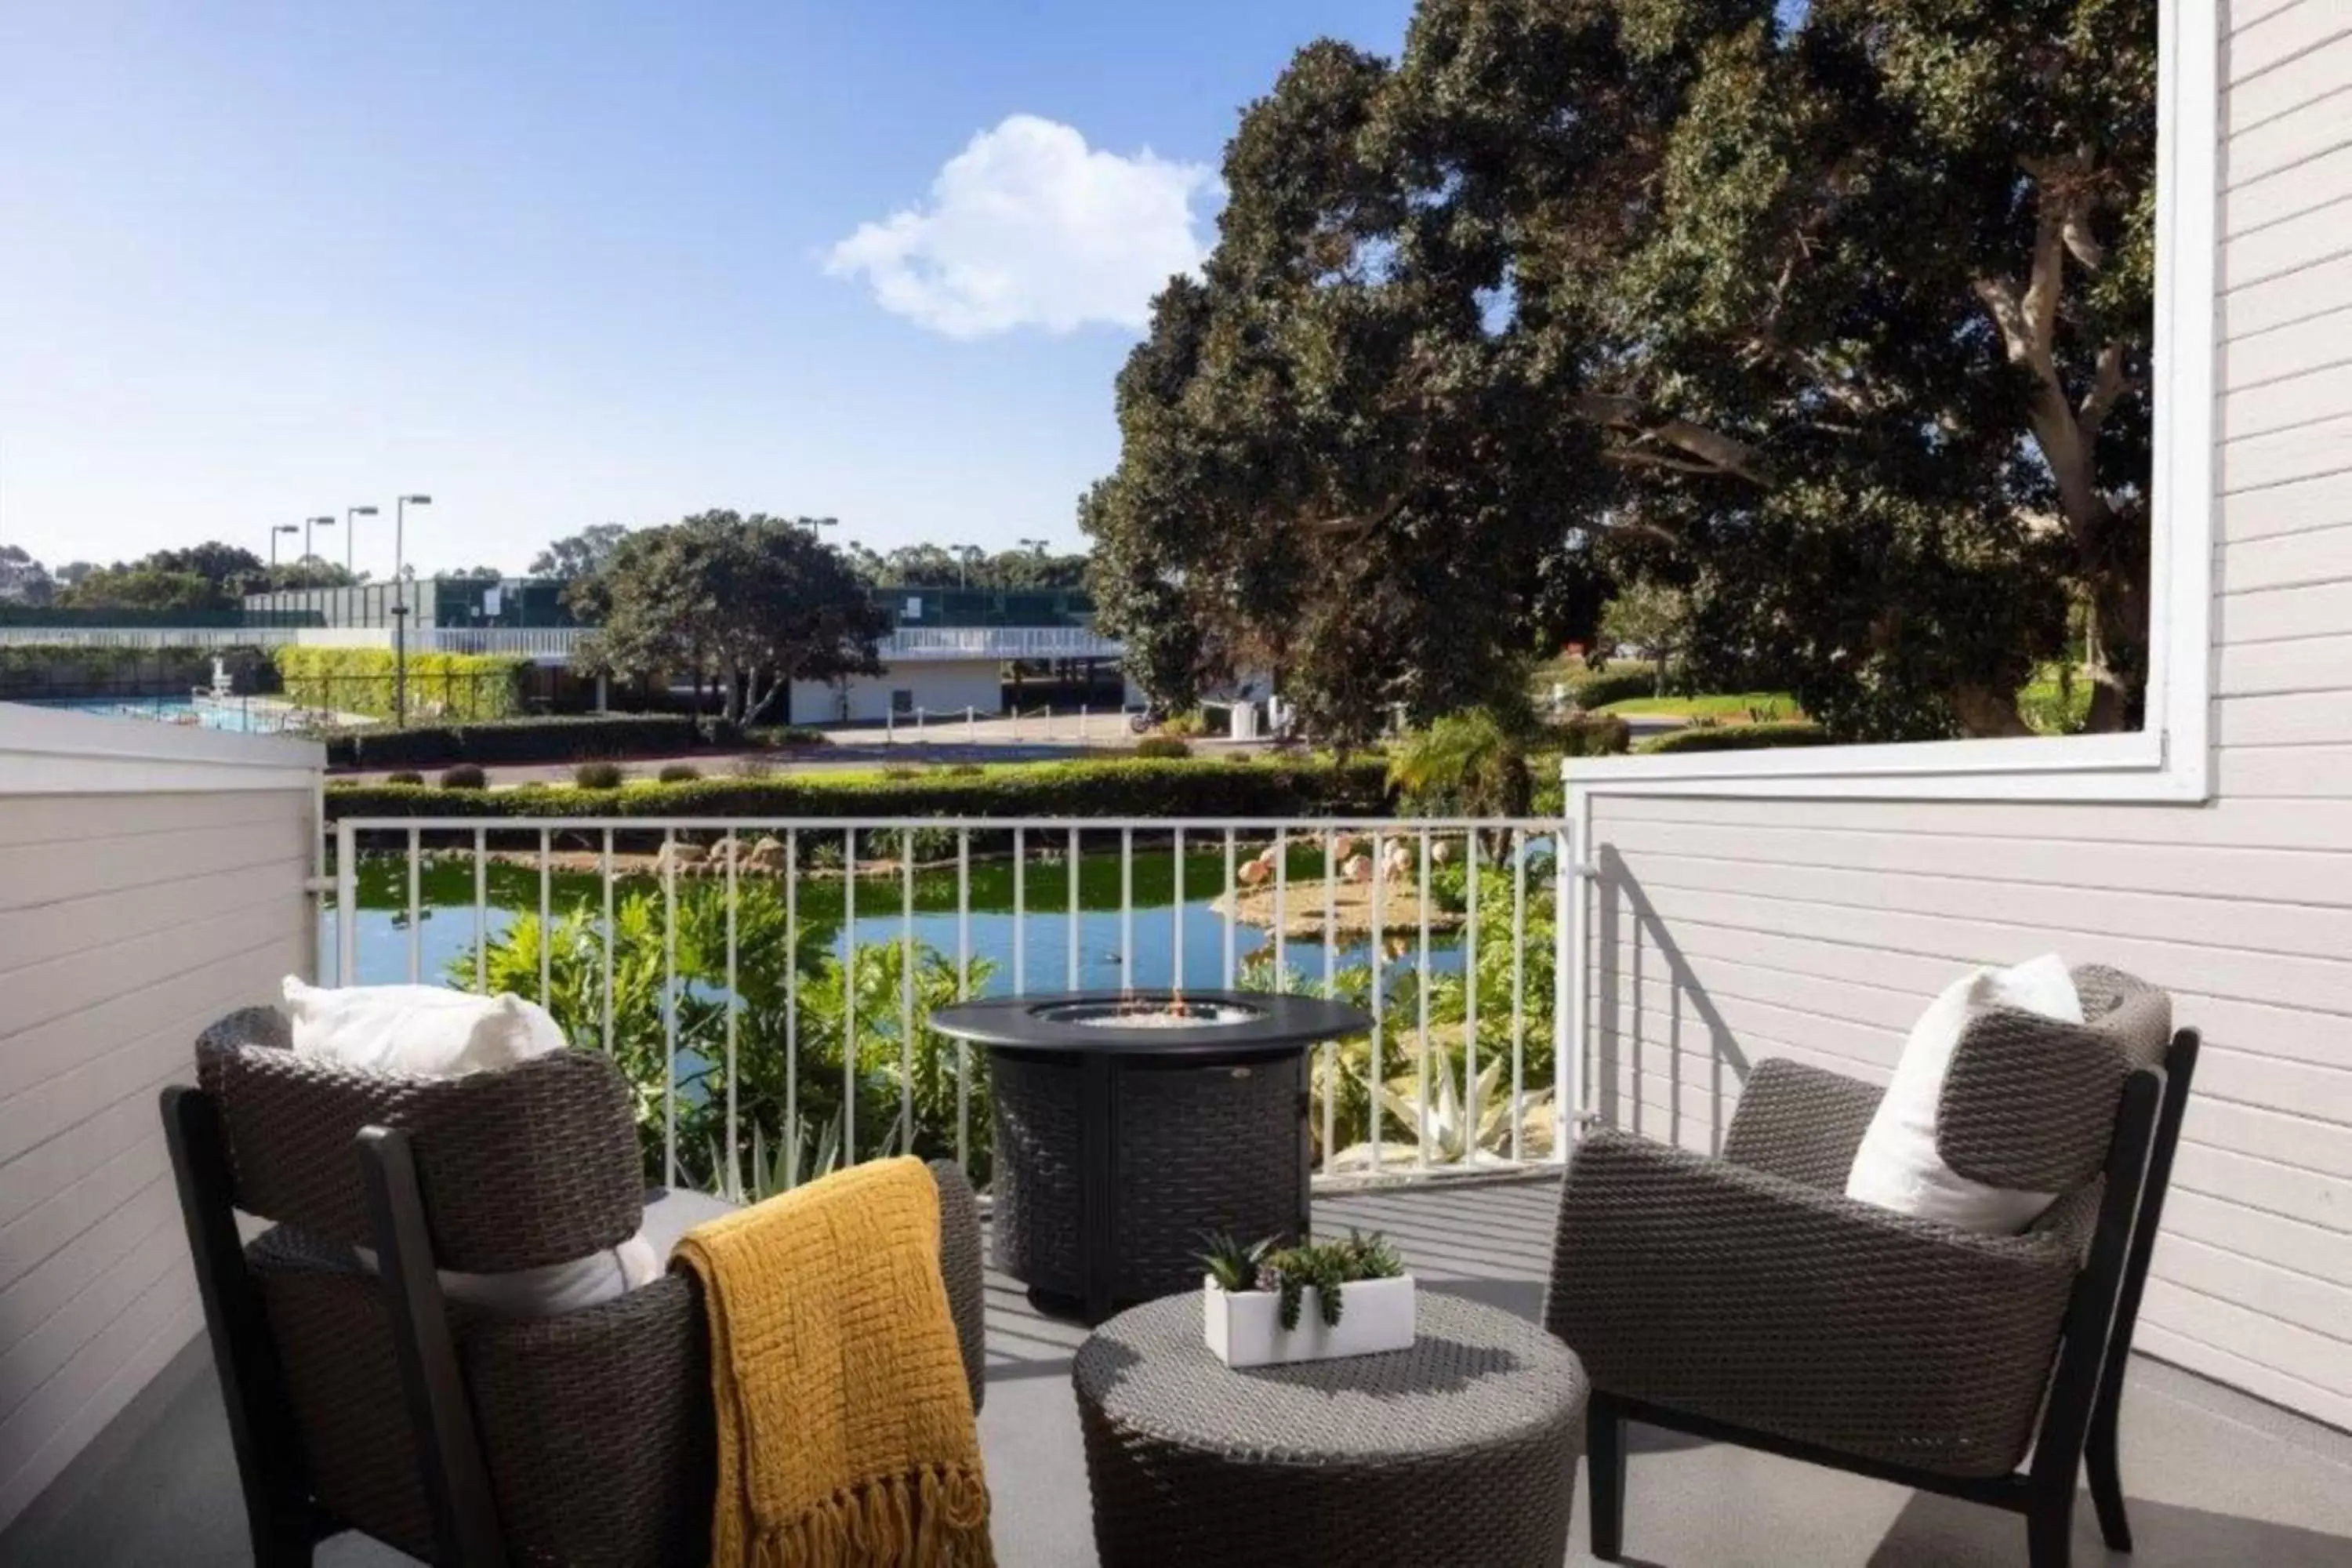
418, 1031
430, 1031
1898, 1166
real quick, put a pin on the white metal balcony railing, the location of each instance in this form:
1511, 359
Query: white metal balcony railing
728, 965
998, 642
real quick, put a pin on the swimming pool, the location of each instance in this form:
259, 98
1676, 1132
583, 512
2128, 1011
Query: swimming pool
240, 715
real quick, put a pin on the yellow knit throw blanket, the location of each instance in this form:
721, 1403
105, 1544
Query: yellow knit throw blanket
845, 1429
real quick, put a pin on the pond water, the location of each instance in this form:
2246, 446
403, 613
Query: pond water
1140, 948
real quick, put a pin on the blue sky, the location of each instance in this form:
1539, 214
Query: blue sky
558, 264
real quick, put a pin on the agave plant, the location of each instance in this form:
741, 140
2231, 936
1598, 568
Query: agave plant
1443, 1127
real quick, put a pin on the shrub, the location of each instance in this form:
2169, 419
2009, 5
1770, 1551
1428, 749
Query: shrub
1162, 746
404, 777
464, 775
1739, 737
1615, 684
470, 687
678, 772
555, 739
1286, 786
1595, 735
598, 775
786, 736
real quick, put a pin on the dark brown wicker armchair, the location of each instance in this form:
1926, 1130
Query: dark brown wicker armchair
1747, 1299
368, 1403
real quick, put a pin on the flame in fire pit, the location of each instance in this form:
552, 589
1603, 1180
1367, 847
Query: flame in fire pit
1145, 1012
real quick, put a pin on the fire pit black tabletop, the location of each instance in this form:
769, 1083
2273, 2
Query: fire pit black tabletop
1215, 1023
1129, 1124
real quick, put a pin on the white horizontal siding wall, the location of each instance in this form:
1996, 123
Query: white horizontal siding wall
1729, 930
150, 880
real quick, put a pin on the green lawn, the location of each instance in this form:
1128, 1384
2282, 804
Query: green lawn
1733, 705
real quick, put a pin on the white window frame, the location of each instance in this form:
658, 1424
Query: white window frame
2170, 759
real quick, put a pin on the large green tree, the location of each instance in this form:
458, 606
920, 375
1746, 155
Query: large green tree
1836, 319
748, 603
207, 576
581, 555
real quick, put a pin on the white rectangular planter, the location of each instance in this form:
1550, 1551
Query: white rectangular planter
1246, 1330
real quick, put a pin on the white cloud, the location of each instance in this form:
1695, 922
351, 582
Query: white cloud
1029, 226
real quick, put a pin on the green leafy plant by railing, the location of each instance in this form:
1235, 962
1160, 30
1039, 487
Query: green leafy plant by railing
1470, 1119
790, 994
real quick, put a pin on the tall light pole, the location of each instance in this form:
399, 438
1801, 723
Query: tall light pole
964, 554
281, 528
400, 605
308, 524
348, 530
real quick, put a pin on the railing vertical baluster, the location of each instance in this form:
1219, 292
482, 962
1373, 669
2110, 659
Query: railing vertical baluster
1421, 991
1330, 955
963, 980
1281, 915
546, 921
1176, 917
790, 1130
610, 935
1470, 993
734, 1008
906, 989
415, 914
1569, 959
1379, 940
1127, 908
849, 995
1072, 863
1020, 911
1233, 909
481, 912
669, 1006
1519, 992
347, 904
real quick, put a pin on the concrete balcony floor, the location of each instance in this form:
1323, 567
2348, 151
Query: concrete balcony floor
2213, 1477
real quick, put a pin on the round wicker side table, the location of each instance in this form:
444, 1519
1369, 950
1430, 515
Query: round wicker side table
1462, 1449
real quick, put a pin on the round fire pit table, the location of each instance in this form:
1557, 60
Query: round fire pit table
1128, 1124
1461, 1448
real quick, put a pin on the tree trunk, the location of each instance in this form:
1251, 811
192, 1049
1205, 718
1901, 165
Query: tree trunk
1983, 711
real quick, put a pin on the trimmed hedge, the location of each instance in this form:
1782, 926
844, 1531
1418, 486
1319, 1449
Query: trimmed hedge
1289, 788
1739, 737
473, 686
560, 738
1616, 684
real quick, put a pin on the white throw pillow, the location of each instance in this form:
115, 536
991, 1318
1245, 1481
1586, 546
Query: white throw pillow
1897, 1166
429, 1031
423, 1031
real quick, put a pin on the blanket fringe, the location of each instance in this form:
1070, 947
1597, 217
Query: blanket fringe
931, 1518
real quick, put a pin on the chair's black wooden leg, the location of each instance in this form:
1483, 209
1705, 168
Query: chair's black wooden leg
2106, 1479
1605, 1459
2050, 1530
284, 1526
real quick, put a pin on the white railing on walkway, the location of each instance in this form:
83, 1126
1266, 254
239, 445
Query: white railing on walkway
532, 642
729, 964
998, 642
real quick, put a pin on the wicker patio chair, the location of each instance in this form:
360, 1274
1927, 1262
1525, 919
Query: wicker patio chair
368, 1403
1746, 1298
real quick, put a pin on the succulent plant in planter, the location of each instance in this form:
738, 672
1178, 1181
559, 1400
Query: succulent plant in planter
1286, 1274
